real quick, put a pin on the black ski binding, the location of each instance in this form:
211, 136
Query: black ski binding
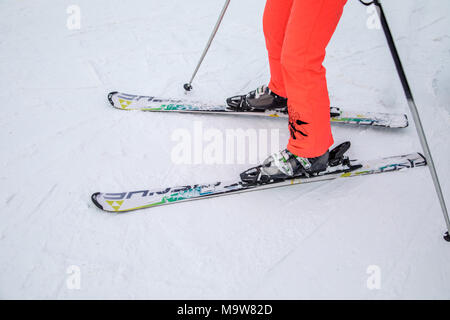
337, 154
258, 101
253, 175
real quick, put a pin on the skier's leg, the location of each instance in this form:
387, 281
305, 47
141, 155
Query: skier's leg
276, 16
273, 96
309, 29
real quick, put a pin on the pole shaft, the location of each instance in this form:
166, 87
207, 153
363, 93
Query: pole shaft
414, 112
211, 38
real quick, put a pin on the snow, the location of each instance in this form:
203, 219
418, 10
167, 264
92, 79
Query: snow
60, 142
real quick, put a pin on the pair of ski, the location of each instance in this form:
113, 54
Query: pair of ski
340, 167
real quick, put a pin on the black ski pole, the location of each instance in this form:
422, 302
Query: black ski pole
414, 112
188, 86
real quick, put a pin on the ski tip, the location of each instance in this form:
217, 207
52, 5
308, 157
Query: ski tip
406, 121
94, 200
425, 162
110, 95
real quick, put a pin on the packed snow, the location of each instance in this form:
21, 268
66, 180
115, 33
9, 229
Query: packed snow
373, 237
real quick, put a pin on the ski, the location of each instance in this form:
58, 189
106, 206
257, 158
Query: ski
146, 198
125, 101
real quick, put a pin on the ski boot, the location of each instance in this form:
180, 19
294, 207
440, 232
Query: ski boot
285, 165
260, 99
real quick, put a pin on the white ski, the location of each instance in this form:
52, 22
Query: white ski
125, 101
146, 198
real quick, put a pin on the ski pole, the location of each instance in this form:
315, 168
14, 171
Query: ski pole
188, 86
415, 114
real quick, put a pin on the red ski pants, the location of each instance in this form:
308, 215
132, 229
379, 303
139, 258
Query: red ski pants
297, 33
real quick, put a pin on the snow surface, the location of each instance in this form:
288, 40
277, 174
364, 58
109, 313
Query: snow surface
60, 142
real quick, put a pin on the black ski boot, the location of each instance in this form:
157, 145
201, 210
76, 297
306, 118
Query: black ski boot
285, 165
261, 99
